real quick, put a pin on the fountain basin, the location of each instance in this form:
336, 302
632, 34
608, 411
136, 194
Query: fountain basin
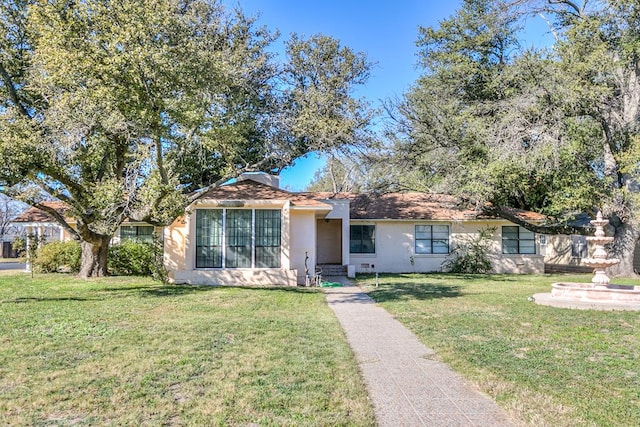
586, 296
587, 292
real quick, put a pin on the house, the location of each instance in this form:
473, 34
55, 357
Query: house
251, 232
7, 239
40, 224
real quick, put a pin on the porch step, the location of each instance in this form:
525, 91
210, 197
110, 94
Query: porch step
333, 269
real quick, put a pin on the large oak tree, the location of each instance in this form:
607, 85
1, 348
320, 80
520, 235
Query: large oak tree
122, 109
553, 129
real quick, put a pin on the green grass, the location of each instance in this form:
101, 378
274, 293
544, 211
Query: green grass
129, 351
547, 366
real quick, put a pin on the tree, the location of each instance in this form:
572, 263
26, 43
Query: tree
9, 209
345, 172
124, 109
553, 130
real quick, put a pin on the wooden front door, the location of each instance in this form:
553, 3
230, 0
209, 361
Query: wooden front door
329, 241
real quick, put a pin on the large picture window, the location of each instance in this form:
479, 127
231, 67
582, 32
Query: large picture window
238, 238
362, 239
432, 239
267, 238
136, 233
209, 238
517, 240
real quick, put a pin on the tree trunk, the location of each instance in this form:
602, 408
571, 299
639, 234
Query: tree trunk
94, 257
623, 248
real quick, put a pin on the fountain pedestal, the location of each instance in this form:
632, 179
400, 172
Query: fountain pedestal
600, 260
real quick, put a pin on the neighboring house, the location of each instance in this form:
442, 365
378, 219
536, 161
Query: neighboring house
251, 232
7, 239
38, 223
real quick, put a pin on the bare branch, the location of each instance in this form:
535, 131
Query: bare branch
550, 25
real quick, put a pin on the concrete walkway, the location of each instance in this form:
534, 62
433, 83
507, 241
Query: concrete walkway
407, 385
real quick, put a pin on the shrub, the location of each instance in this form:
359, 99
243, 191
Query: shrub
53, 257
471, 256
131, 258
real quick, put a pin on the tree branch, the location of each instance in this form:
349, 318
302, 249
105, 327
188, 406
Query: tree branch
13, 93
545, 228
160, 161
59, 218
73, 187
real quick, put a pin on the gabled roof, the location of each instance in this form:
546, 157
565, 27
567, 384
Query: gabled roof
35, 215
253, 190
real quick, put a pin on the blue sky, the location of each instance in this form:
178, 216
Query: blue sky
385, 30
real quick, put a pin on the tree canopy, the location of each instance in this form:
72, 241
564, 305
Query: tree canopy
122, 109
552, 129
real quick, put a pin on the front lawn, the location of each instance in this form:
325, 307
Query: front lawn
547, 366
129, 351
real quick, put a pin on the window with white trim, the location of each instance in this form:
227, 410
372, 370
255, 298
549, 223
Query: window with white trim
432, 239
579, 246
517, 240
362, 239
238, 238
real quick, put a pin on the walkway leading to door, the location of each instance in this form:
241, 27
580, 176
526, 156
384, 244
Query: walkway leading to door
407, 385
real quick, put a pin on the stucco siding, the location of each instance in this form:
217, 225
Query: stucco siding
175, 237
395, 248
302, 241
179, 249
558, 250
237, 277
507, 263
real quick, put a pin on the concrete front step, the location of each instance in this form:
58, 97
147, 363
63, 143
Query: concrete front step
332, 269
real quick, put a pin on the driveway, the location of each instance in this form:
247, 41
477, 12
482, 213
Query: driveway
12, 266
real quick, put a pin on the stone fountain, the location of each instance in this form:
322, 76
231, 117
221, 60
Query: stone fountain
600, 294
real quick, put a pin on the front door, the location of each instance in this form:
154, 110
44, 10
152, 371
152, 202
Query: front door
329, 240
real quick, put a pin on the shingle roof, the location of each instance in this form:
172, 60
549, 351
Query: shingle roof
401, 206
413, 205
253, 190
410, 206
36, 215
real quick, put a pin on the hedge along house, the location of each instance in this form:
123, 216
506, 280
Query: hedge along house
254, 233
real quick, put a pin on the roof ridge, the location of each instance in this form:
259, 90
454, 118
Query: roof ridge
252, 182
